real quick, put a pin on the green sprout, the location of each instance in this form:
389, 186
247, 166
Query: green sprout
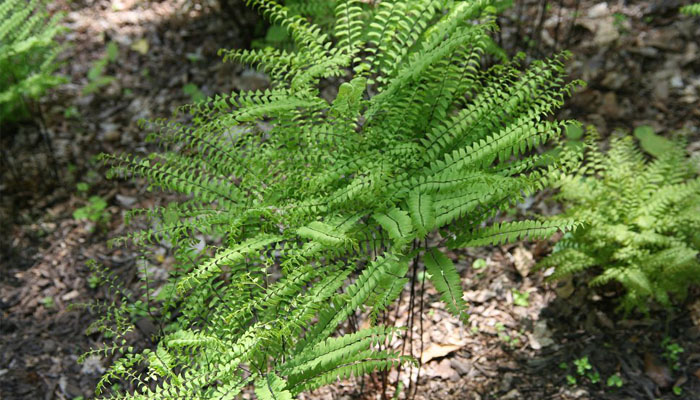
521, 298
615, 380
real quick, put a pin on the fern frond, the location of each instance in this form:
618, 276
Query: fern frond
422, 211
447, 282
272, 387
691, 9
508, 232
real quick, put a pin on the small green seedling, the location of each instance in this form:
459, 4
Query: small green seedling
677, 390
96, 77
71, 112
582, 365
672, 352
619, 22
583, 369
94, 281
48, 302
82, 187
94, 211
479, 263
615, 380
193, 91
521, 299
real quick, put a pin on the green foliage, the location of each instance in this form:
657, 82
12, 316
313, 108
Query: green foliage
691, 9
584, 369
479, 263
96, 75
642, 222
28, 54
317, 208
672, 352
521, 298
615, 380
95, 208
196, 95
652, 143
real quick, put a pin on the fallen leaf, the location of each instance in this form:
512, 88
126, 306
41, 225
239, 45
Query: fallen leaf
444, 370
523, 260
437, 350
697, 373
479, 296
659, 373
140, 46
565, 289
541, 336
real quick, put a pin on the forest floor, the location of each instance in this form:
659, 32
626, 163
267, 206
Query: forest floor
525, 338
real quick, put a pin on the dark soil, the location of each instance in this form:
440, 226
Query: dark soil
642, 64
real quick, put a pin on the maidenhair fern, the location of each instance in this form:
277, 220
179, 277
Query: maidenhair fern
691, 9
27, 54
320, 206
642, 223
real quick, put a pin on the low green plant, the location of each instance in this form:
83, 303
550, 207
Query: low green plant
641, 223
619, 21
672, 352
584, 369
28, 52
521, 298
94, 210
321, 210
48, 302
479, 263
195, 94
615, 381
96, 75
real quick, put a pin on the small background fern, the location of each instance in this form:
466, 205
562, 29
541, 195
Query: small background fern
27, 55
642, 222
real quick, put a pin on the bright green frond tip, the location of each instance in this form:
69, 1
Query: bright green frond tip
306, 204
691, 9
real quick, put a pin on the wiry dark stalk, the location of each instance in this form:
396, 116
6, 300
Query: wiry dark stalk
537, 33
422, 298
411, 317
556, 28
573, 25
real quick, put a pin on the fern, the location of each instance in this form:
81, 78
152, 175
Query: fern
28, 54
315, 209
640, 223
691, 9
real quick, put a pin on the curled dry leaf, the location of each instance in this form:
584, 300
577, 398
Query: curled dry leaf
437, 350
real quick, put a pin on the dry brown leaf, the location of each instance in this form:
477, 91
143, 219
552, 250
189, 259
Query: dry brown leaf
437, 350
659, 373
140, 46
523, 260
